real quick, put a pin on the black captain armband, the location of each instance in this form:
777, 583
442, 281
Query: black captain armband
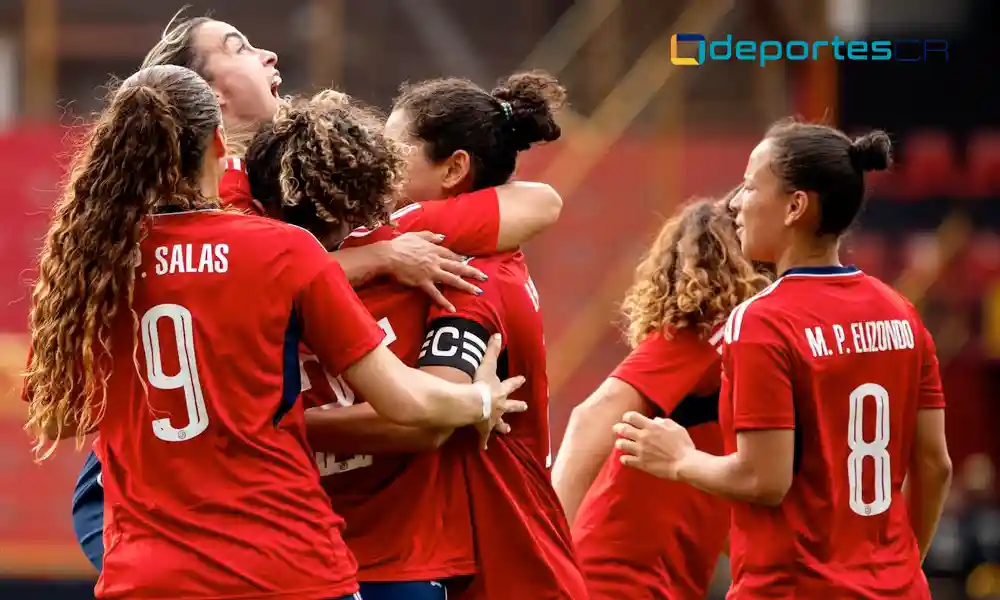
454, 342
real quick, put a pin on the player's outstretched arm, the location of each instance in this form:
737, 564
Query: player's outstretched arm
760, 471
526, 209
415, 259
410, 397
345, 338
589, 440
359, 429
929, 476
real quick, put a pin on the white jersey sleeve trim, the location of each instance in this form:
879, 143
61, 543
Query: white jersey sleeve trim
734, 324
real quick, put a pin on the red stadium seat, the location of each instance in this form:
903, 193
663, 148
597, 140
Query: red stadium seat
928, 167
867, 250
984, 164
885, 184
981, 263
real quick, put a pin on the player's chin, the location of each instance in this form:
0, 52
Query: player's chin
750, 250
269, 105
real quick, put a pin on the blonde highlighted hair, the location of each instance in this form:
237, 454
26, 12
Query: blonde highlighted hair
323, 164
692, 276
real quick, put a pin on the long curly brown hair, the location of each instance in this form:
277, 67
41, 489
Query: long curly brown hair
693, 275
324, 165
146, 150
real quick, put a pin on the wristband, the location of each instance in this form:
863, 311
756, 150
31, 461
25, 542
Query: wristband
487, 396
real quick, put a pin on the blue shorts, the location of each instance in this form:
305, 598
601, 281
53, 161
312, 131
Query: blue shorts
88, 511
404, 590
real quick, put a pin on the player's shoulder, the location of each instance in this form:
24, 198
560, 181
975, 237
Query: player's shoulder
757, 316
234, 188
252, 224
268, 237
669, 344
410, 217
432, 214
505, 273
363, 236
891, 295
499, 261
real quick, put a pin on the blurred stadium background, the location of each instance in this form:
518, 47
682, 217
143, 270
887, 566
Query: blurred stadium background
642, 136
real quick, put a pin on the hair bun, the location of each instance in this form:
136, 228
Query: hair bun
533, 97
871, 152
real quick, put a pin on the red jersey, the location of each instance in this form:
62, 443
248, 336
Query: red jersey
234, 188
431, 538
683, 529
522, 538
210, 488
845, 361
470, 223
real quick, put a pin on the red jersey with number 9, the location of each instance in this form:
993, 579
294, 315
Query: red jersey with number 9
845, 361
408, 515
210, 488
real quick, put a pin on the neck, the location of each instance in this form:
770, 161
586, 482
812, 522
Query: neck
209, 187
815, 254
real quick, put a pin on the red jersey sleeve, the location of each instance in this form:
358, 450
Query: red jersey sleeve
362, 236
336, 326
459, 339
470, 223
931, 392
757, 362
234, 188
666, 369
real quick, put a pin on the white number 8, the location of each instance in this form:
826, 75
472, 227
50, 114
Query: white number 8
186, 377
877, 449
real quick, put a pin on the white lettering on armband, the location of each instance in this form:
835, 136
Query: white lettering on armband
454, 342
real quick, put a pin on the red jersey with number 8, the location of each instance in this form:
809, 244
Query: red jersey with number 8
210, 488
845, 361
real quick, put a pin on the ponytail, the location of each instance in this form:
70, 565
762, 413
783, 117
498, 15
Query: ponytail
142, 153
529, 101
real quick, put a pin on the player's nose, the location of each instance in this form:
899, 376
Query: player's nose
268, 58
736, 202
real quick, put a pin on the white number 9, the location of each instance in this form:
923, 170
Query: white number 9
186, 377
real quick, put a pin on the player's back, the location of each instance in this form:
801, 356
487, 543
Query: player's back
432, 538
856, 354
522, 536
684, 529
210, 488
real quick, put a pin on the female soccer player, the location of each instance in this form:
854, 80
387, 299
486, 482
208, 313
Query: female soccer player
465, 138
409, 554
246, 81
133, 335
831, 394
692, 278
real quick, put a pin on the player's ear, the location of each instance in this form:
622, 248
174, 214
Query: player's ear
799, 204
457, 175
221, 100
